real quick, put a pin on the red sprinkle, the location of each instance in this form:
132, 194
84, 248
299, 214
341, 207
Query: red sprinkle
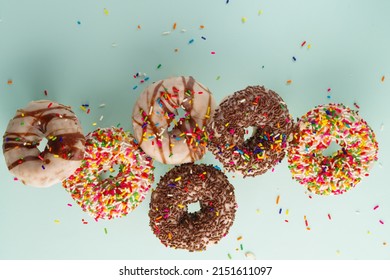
381, 222
376, 207
48, 106
303, 43
329, 217
357, 106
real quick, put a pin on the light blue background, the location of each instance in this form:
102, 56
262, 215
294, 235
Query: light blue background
42, 47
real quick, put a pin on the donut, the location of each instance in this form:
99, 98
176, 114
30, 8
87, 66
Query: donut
185, 184
157, 128
65, 143
335, 174
113, 196
263, 110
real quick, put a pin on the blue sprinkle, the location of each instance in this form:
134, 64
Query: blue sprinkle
204, 38
294, 58
191, 41
146, 78
280, 211
78, 22
135, 87
328, 96
217, 167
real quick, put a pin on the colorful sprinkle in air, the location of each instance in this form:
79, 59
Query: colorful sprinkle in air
229, 256
289, 82
329, 217
105, 230
294, 58
376, 207
243, 19
277, 199
382, 222
191, 41
303, 43
70, 205
383, 79
10, 82
105, 11
45, 92
159, 66
57, 221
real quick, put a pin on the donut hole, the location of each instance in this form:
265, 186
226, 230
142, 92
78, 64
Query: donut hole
42, 144
180, 115
331, 149
249, 132
193, 207
110, 173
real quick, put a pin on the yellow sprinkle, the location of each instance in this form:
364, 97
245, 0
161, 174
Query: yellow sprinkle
217, 213
94, 124
83, 108
226, 124
308, 46
181, 206
243, 19
105, 11
178, 179
57, 221
286, 211
260, 12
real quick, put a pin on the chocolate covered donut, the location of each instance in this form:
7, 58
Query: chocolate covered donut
263, 110
185, 184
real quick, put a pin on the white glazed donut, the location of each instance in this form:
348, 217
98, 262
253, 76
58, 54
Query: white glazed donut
157, 108
64, 150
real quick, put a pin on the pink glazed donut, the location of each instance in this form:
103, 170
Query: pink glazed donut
64, 150
156, 110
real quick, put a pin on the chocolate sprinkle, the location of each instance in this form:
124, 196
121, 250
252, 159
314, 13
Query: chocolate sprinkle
185, 184
267, 113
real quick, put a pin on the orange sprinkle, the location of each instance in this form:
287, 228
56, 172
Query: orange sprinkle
10, 82
239, 238
383, 78
277, 199
201, 27
289, 82
174, 26
139, 26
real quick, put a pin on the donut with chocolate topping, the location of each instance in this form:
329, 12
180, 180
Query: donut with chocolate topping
263, 110
65, 143
185, 184
160, 130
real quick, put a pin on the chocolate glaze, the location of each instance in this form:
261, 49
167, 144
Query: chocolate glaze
252, 107
174, 225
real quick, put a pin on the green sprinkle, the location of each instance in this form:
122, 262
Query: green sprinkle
241, 247
159, 66
105, 230
218, 77
229, 256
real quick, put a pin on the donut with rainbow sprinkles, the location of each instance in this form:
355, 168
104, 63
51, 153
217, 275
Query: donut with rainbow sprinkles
345, 168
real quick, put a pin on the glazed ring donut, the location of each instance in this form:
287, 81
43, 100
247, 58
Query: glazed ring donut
340, 172
264, 111
185, 184
64, 150
157, 107
114, 196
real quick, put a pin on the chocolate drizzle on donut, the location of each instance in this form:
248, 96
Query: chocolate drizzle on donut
165, 101
254, 107
185, 184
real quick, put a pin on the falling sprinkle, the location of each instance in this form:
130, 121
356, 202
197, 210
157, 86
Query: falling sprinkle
308, 46
383, 79
227, 1
183, 30
43, 167
101, 118
70, 205
303, 43
45, 92
357, 106
239, 238
241, 247
260, 12
229, 256
201, 27
382, 222
294, 58
338, 252
10, 82
102, 105
174, 26
139, 27
357, 212
166, 33
280, 211
384, 243
329, 217
250, 255
328, 89
191, 41
159, 66
376, 207
382, 126
57, 221
243, 19
105, 11
78, 22
368, 232
105, 230
289, 82
218, 77
203, 38
135, 87
277, 199
258, 211
212, 52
